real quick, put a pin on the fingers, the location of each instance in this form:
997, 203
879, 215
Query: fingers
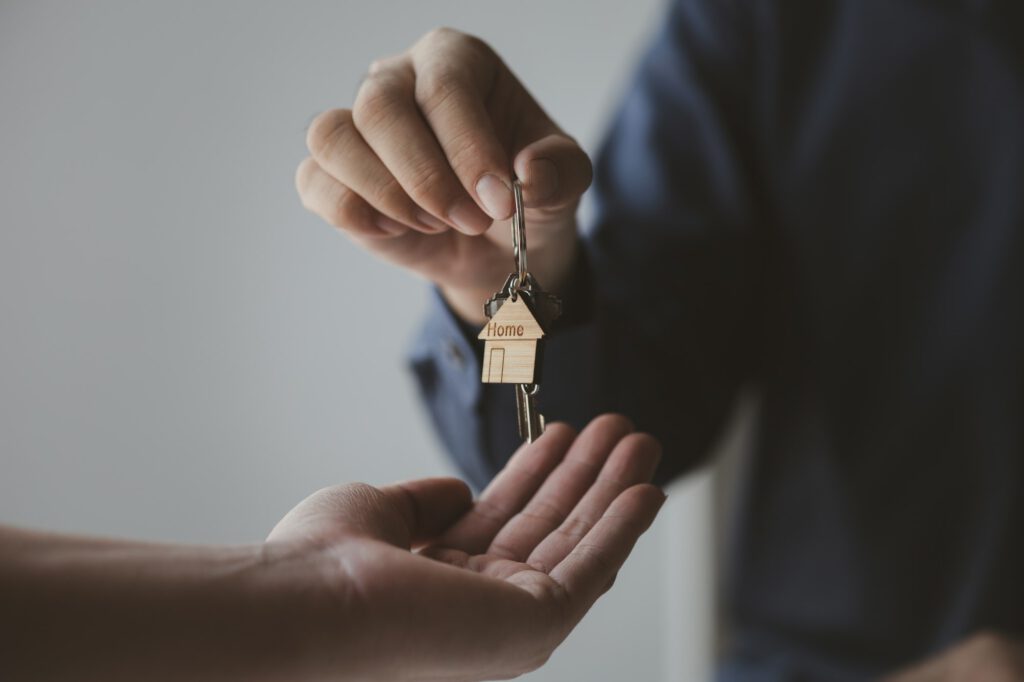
633, 461
388, 118
428, 143
593, 563
563, 489
450, 92
340, 206
340, 150
510, 490
555, 171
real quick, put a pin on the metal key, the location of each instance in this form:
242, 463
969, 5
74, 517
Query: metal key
531, 421
513, 338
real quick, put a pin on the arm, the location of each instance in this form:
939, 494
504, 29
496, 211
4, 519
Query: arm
103, 609
662, 296
336, 590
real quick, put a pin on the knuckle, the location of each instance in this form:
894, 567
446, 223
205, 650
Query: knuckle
575, 529
428, 185
466, 152
543, 512
491, 513
445, 43
388, 193
477, 46
592, 554
438, 85
382, 65
347, 213
377, 98
440, 35
503, 550
453, 39
326, 130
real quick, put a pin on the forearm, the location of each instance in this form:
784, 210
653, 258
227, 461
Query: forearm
74, 608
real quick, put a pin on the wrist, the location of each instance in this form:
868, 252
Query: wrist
467, 304
552, 261
305, 596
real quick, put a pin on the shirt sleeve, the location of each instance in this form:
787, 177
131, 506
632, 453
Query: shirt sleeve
667, 277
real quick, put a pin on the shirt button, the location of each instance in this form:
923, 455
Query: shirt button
454, 355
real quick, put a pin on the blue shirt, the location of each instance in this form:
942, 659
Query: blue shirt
822, 201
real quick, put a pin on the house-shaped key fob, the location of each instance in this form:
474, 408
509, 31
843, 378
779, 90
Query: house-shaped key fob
512, 345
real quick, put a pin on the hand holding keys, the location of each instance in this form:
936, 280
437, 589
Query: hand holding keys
513, 338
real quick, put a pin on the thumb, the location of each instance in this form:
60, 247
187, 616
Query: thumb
428, 506
400, 514
554, 171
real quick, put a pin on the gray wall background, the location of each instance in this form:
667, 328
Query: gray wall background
184, 352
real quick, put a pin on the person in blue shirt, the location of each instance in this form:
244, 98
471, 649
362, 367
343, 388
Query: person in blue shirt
820, 202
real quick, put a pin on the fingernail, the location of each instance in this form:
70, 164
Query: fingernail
389, 226
468, 217
543, 180
495, 195
430, 222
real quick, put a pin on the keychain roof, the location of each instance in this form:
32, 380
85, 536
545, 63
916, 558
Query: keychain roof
514, 320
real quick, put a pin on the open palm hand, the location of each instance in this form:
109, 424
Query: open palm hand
484, 589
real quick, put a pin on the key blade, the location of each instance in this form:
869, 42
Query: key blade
531, 421
522, 419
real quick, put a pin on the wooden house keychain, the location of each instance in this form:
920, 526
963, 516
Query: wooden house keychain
520, 315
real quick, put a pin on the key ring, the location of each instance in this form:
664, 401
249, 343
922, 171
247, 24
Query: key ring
519, 237
512, 355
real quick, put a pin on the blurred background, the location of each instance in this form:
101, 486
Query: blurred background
185, 353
